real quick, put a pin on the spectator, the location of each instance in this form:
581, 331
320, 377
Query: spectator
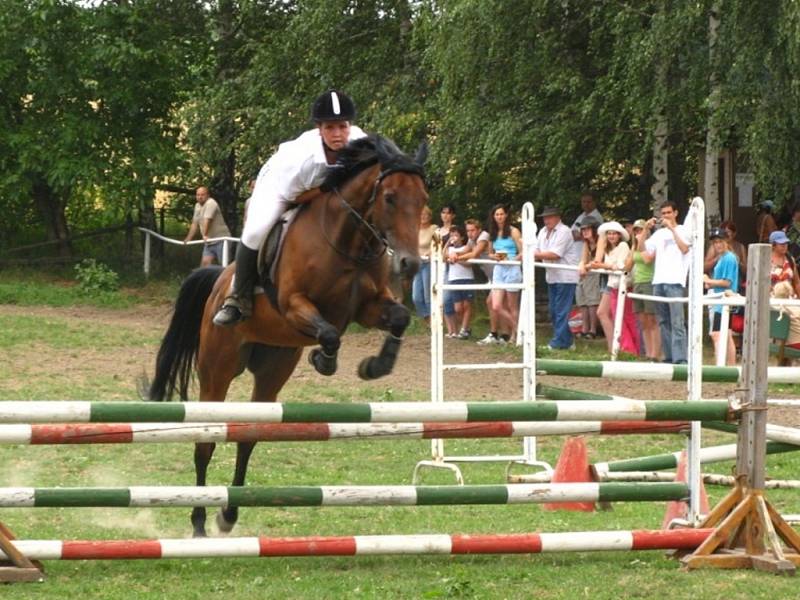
784, 289
478, 245
556, 246
729, 228
506, 244
460, 273
642, 277
587, 293
765, 221
783, 266
421, 284
724, 277
589, 209
209, 221
448, 215
616, 255
669, 248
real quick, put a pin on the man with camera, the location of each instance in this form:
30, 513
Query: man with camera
668, 245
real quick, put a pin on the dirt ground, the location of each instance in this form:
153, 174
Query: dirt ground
412, 373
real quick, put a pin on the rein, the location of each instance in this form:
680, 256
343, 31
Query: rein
368, 256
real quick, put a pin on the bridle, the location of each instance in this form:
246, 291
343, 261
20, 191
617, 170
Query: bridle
369, 255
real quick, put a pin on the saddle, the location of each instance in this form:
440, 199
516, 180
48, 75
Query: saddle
270, 252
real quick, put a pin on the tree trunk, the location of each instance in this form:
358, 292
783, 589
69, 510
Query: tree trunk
660, 188
711, 179
223, 180
51, 207
223, 186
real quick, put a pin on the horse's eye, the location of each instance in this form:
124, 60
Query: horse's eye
390, 198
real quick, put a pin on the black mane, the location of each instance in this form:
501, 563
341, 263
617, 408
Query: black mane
365, 152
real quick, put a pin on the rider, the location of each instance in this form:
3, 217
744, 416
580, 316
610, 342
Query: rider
297, 167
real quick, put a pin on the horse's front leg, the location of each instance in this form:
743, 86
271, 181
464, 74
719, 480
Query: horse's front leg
305, 317
387, 314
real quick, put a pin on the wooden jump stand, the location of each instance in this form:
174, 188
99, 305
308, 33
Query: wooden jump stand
748, 532
18, 568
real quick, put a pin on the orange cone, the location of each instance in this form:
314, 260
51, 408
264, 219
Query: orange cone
572, 467
677, 509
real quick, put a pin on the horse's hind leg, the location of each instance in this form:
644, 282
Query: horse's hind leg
202, 456
215, 378
390, 315
271, 368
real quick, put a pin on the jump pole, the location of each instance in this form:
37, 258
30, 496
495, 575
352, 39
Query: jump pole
376, 412
525, 543
659, 462
654, 371
282, 496
148, 433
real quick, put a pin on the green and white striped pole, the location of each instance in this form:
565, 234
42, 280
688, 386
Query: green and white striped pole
398, 495
654, 371
375, 412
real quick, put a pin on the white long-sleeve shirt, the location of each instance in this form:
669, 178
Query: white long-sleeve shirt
298, 166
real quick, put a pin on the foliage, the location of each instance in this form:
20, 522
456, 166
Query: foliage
95, 278
530, 100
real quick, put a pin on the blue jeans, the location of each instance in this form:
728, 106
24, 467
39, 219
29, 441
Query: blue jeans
671, 322
421, 290
560, 297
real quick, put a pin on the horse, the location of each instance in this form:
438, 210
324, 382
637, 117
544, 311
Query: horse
334, 269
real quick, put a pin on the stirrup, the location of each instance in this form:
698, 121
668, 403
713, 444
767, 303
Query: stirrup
228, 315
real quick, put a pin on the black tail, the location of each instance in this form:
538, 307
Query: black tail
178, 352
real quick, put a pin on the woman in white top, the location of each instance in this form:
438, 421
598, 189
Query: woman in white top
616, 251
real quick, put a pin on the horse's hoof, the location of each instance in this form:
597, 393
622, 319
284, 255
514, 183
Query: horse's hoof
199, 533
324, 365
364, 370
223, 524
372, 367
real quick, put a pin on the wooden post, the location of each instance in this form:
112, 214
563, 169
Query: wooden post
18, 568
749, 532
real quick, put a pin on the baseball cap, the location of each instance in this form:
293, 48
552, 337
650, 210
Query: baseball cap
778, 237
639, 224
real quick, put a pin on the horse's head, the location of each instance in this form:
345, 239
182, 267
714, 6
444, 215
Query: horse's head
401, 195
392, 191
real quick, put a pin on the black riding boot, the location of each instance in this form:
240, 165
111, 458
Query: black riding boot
238, 305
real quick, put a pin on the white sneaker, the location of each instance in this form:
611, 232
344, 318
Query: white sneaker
488, 340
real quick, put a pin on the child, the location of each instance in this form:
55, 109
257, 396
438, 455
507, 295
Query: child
460, 274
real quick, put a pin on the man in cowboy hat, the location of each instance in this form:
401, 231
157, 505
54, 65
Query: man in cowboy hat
556, 246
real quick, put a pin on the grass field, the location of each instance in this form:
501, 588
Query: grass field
91, 355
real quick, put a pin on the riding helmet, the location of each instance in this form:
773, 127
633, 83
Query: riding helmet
333, 105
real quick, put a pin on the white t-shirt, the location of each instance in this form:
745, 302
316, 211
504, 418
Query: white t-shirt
559, 241
671, 265
617, 258
459, 270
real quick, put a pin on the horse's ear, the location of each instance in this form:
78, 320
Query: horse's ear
422, 153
